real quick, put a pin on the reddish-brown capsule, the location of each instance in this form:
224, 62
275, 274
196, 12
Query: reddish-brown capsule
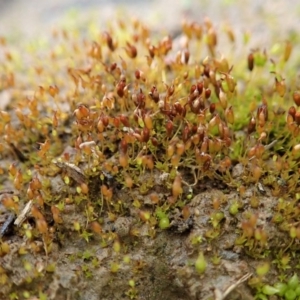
35, 184
139, 99
292, 112
205, 160
9, 203
297, 118
42, 226
120, 87
154, 141
105, 120
154, 95
109, 41
185, 133
206, 71
207, 93
30, 193
296, 98
137, 74
193, 89
112, 67
56, 214
250, 61
84, 188
227, 142
169, 128
177, 186
131, 50
170, 90
200, 87
151, 50
96, 227
36, 212
145, 135
259, 150
262, 115
196, 105
81, 112
116, 122
123, 146
178, 107
224, 164
212, 108
124, 120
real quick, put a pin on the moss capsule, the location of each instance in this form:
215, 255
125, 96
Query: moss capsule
250, 61
296, 98
201, 263
164, 223
176, 187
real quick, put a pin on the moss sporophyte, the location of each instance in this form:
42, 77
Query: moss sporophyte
126, 139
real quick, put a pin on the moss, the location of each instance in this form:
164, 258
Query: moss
118, 126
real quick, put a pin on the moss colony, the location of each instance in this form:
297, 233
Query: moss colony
141, 165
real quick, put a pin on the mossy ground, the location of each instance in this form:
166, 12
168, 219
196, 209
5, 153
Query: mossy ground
154, 169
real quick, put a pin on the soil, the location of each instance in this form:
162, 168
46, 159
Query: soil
162, 266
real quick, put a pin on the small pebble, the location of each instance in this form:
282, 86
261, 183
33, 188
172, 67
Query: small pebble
122, 226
